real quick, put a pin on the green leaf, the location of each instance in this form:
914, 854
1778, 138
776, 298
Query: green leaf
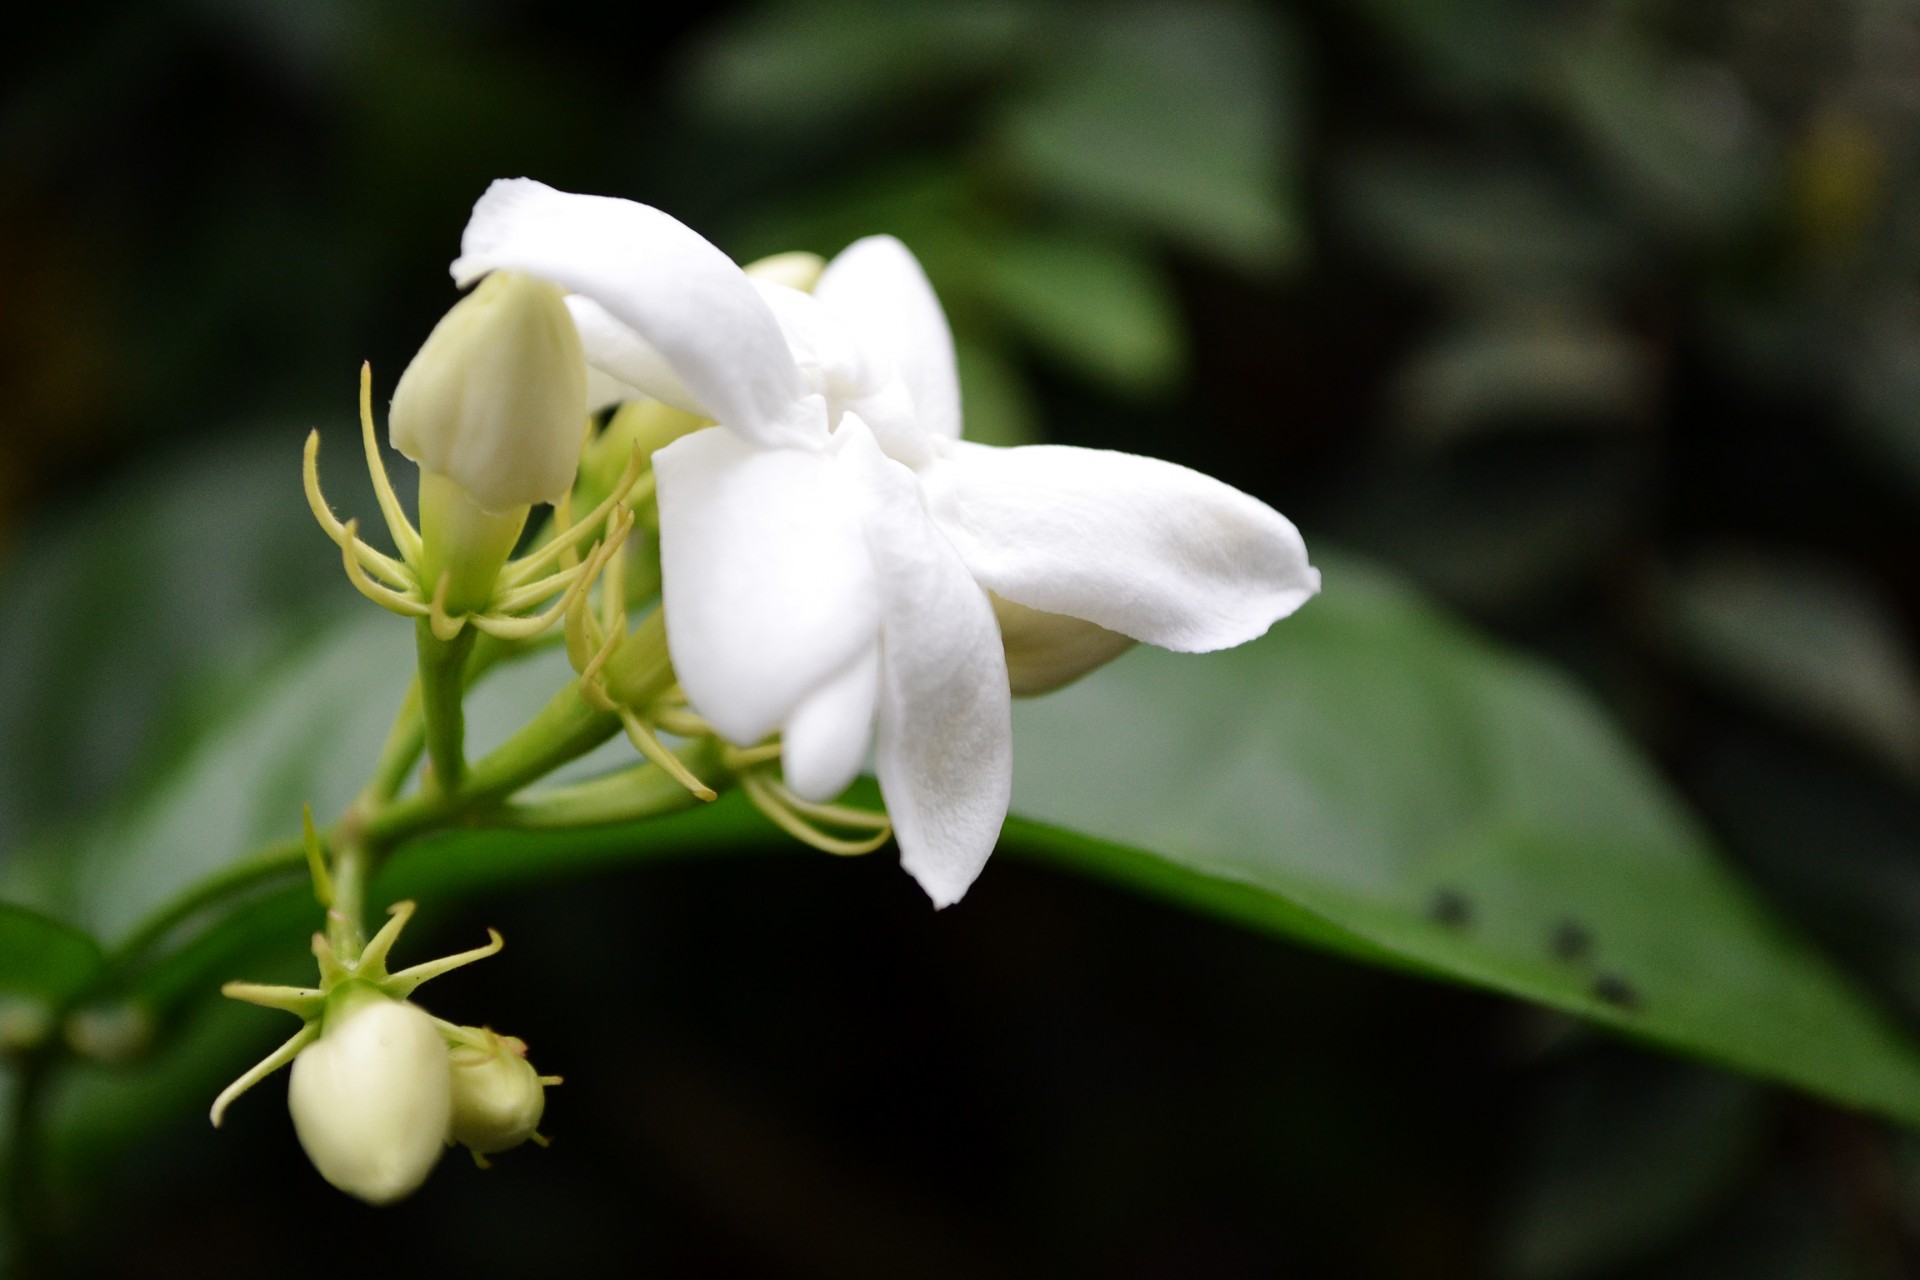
820, 63
1807, 639
1481, 228
1368, 779
1177, 118
42, 960
152, 608
1570, 371
1475, 47
1100, 307
1096, 303
1682, 141
306, 737
1372, 779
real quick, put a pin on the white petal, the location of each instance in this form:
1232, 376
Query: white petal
1146, 548
604, 390
853, 375
833, 359
944, 747
876, 286
624, 358
1048, 650
658, 277
824, 743
765, 576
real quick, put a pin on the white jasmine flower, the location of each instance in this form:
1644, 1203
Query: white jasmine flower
834, 554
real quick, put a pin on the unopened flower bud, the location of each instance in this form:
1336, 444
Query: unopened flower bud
493, 408
497, 397
498, 1098
372, 1098
1047, 650
796, 270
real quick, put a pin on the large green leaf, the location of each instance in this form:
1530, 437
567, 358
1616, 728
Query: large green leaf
151, 608
1372, 779
1368, 779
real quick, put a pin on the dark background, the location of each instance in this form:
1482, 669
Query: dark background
1597, 320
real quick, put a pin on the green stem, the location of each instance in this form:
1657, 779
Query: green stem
565, 729
443, 684
408, 736
346, 918
644, 791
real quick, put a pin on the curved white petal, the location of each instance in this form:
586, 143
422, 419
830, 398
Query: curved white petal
604, 390
837, 363
824, 743
625, 359
1147, 548
766, 576
944, 745
877, 288
658, 277
853, 374
1048, 650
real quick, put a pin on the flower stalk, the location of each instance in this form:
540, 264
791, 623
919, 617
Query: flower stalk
442, 685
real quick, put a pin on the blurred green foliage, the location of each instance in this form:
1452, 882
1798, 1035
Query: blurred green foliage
1599, 320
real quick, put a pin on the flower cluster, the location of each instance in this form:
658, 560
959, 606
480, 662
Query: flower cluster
843, 582
380, 1087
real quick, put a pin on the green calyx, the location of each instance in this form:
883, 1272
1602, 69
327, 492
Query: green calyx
344, 987
463, 546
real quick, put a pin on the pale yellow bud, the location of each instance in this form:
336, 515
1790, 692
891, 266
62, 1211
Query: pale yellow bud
1048, 650
796, 270
498, 1098
496, 400
372, 1098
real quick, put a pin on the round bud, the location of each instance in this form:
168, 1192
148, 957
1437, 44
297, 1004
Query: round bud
371, 1099
498, 1098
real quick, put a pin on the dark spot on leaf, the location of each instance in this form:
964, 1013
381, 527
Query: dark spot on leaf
1616, 990
1572, 940
1450, 907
